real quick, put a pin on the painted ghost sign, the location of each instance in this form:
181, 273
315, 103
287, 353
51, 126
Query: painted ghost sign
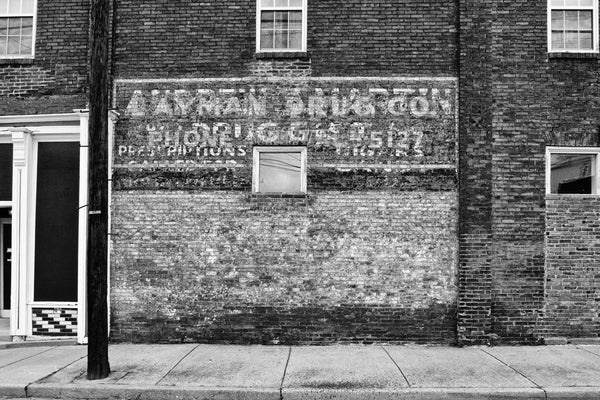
340, 120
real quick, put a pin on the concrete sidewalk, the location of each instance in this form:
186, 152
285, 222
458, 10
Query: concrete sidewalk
192, 371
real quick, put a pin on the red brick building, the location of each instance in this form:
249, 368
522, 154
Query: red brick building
285, 173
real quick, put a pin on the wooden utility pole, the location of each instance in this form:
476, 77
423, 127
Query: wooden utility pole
97, 245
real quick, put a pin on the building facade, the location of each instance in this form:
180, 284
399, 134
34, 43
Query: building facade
395, 171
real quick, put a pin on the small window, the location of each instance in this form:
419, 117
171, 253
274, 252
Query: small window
572, 170
17, 28
573, 26
281, 25
279, 169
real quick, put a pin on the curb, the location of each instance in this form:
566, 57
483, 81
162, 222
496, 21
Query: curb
12, 390
38, 343
147, 392
97, 391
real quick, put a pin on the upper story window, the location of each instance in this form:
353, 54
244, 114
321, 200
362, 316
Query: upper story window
279, 169
573, 26
17, 19
281, 25
572, 170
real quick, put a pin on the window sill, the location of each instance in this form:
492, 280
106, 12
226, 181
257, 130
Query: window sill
276, 195
282, 55
555, 55
571, 195
19, 61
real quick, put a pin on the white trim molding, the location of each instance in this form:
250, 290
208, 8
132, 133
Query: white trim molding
26, 131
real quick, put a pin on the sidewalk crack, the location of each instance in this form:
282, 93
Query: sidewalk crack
284, 372
397, 366
587, 351
516, 370
176, 364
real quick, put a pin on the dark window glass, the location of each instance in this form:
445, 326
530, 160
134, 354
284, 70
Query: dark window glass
6, 162
56, 222
571, 173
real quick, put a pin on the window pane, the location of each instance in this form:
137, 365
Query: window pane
3, 6
571, 173
3, 26
558, 40
572, 3
295, 40
279, 172
281, 39
3, 46
266, 3
295, 18
295, 3
266, 39
557, 3
14, 26
266, 20
586, 3
571, 20
26, 45
585, 40
13, 45
27, 7
281, 20
14, 6
585, 20
281, 3
27, 26
571, 40
558, 18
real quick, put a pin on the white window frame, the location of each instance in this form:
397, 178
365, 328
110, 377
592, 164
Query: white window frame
257, 150
259, 9
593, 8
594, 151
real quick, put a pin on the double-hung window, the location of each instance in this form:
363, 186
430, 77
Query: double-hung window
281, 26
573, 170
573, 26
17, 28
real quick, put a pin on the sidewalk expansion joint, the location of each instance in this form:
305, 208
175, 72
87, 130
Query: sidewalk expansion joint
284, 372
26, 358
397, 366
587, 351
52, 373
516, 370
177, 363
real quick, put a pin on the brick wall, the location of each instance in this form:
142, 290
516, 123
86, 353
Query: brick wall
572, 257
355, 266
368, 255
55, 81
515, 100
345, 38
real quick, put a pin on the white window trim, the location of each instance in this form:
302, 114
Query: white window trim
304, 25
278, 149
594, 9
33, 35
574, 150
